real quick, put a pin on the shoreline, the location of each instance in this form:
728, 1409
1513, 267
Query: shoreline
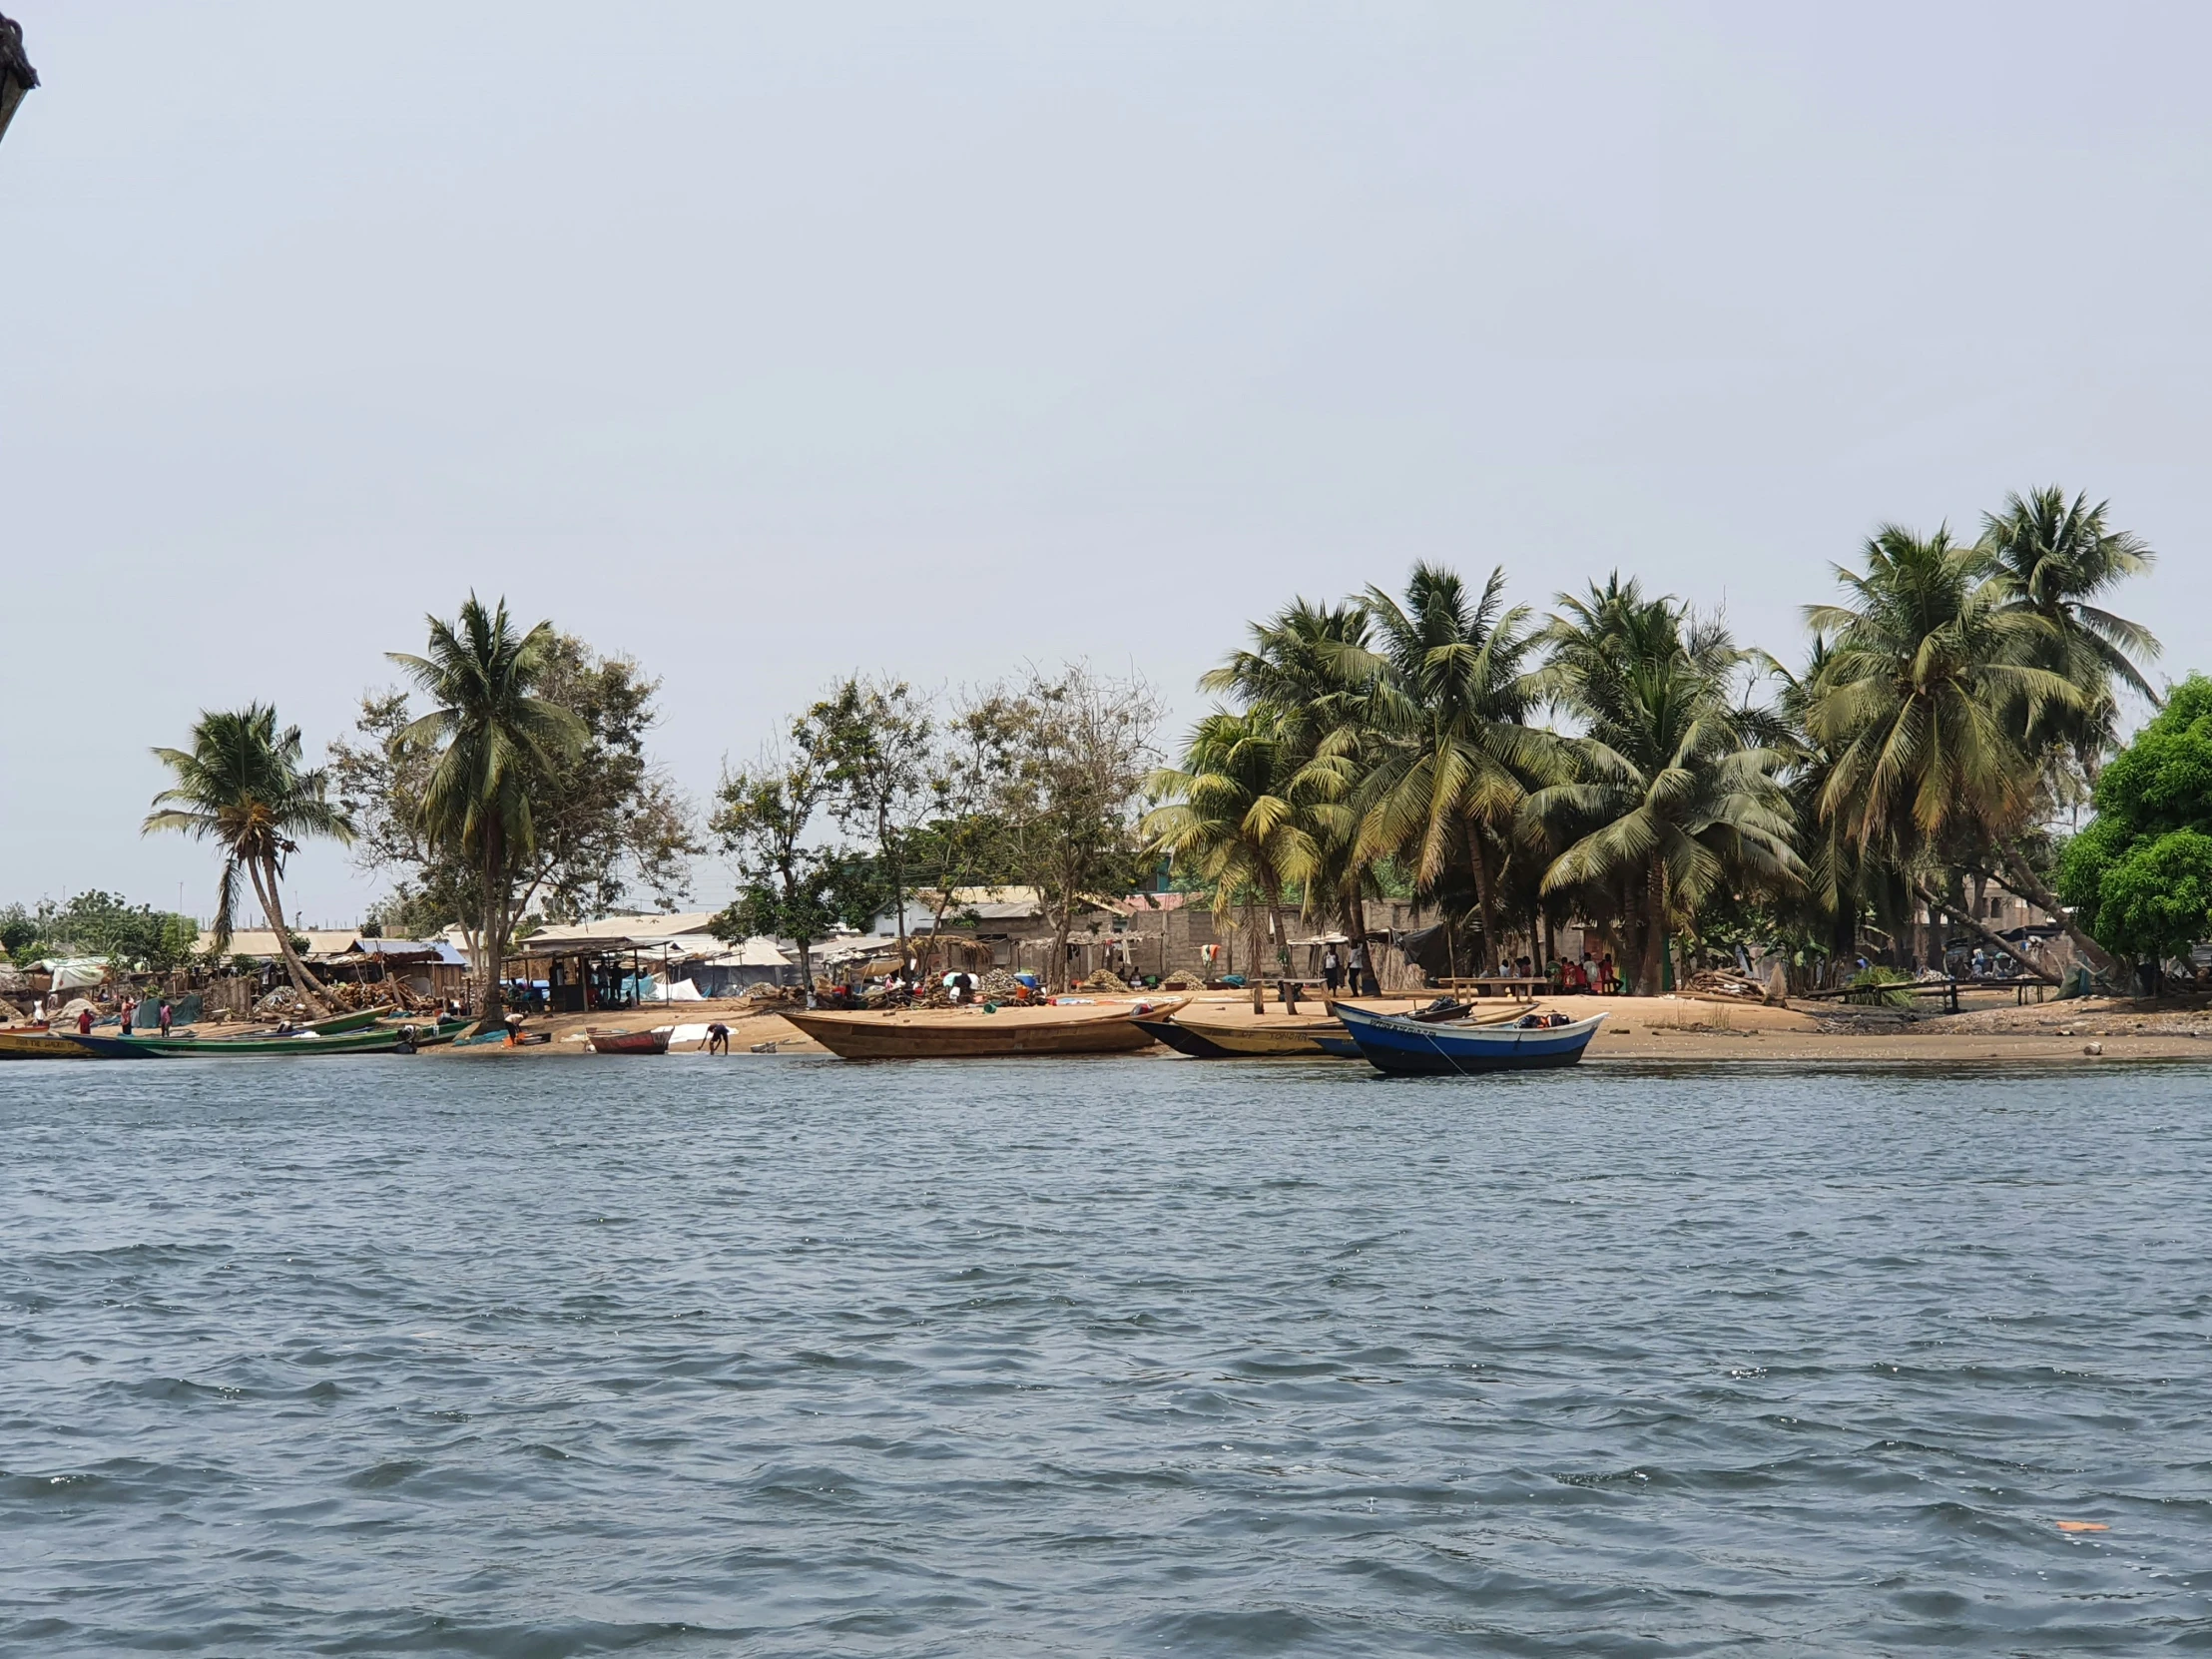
1637, 1030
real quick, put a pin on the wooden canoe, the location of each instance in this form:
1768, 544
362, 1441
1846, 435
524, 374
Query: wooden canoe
360, 1022
630, 1043
41, 1045
299, 1045
972, 1034
1262, 1038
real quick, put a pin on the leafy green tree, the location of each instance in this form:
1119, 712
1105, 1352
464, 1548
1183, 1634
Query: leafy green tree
1231, 809
20, 932
605, 817
879, 742
497, 741
965, 840
787, 887
242, 786
1083, 747
2140, 875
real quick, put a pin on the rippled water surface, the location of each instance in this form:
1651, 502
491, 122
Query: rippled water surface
791, 1357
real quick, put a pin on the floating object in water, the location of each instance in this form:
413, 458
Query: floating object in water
2083, 1526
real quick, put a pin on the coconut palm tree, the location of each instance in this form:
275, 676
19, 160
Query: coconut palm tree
1231, 809
2052, 558
1452, 756
497, 741
1307, 669
242, 786
1671, 795
1935, 682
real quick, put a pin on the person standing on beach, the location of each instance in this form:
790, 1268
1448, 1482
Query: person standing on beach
1331, 969
718, 1038
84, 1022
168, 1014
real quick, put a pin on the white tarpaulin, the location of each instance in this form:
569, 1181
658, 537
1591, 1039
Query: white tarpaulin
653, 988
75, 972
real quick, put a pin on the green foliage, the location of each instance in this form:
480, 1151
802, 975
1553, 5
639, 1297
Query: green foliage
1872, 987
19, 932
2140, 875
135, 938
242, 786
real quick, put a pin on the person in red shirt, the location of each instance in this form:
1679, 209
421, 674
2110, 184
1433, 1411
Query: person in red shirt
84, 1022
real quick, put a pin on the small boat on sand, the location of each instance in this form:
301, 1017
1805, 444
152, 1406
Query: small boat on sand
1221, 1034
1410, 1047
979, 1033
630, 1043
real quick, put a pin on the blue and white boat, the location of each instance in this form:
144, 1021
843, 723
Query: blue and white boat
1410, 1047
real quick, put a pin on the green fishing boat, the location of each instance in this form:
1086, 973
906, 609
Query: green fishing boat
350, 1022
300, 1045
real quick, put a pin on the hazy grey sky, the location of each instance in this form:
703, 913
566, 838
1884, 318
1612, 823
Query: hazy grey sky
764, 342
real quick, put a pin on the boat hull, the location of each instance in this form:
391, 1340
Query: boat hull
1407, 1048
38, 1045
959, 1035
220, 1048
1266, 1042
631, 1042
1182, 1040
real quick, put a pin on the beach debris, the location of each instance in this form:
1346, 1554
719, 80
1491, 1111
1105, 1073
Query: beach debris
2092, 1048
761, 1048
1181, 981
2083, 1526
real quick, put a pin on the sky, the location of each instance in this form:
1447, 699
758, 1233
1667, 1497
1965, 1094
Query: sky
769, 342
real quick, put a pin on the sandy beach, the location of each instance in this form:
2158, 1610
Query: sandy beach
1640, 1029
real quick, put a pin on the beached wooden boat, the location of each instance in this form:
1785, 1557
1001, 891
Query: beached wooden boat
1263, 1039
44, 1045
973, 1034
630, 1043
299, 1045
361, 1021
1392, 1043
1183, 1041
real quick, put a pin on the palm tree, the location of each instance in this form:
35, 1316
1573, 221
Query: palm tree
2052, 558
1672, 795
242, 786
1453, 755
1933, 683
1231, 809
1307, 670
499, 741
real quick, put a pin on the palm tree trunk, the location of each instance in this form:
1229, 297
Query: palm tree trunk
306, 983
1974, 924
1282, 932
1651, 972
2021, 877
1482, 899
495, 926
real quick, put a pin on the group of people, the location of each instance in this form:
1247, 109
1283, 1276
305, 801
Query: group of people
1354, 975
1586, 977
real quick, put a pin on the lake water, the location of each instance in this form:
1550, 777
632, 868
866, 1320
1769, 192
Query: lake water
793, 1357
